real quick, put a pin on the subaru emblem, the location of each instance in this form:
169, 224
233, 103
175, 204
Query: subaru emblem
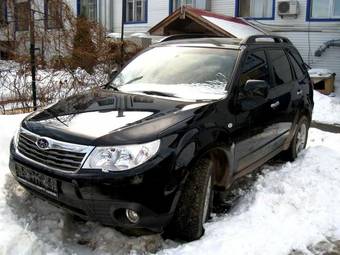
42, 143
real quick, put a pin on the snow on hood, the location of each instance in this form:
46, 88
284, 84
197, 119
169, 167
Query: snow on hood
236, 29
96, 124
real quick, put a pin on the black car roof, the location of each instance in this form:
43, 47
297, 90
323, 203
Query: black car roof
222, 42
215, 42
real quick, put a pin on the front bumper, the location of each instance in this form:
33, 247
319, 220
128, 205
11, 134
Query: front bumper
152, 192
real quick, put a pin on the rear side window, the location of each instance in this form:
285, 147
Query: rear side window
297, 68
281, 67
255, 67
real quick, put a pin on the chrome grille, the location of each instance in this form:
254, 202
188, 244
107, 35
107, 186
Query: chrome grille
59, 156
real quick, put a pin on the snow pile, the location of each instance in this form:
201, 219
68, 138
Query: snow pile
290, 206
319, 72
326, 108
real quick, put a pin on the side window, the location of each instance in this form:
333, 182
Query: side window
255, 67
298, 58
281, 67
297, 68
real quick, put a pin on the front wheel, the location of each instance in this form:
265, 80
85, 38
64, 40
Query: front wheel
299, 141
194, 206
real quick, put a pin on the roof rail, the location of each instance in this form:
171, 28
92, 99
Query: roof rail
277, 39
186, 36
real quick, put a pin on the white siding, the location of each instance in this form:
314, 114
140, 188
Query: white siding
226, 7
306, 36
330, 59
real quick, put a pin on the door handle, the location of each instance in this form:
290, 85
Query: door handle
299, 92
274, 105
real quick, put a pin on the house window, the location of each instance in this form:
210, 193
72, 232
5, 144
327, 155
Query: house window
22, 16
259, 9
178, 3
136, 11
324, 9
3, 13
53, 13
88, 9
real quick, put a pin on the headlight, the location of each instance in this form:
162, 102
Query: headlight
120, 158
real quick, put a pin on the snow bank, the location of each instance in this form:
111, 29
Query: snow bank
317, 72
290, 206
326, 108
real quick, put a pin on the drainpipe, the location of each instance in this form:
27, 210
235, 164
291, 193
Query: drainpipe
325, 46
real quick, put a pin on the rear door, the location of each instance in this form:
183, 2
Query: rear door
302, 80
281, 96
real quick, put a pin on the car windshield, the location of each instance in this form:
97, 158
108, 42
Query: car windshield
179, 72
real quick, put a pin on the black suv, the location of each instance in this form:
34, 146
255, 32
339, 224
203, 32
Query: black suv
183, 119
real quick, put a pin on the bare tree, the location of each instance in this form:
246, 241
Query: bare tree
67, 63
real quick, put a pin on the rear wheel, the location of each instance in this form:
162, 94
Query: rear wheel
195, 203
299, 141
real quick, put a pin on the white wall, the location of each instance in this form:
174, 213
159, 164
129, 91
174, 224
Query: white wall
226, 7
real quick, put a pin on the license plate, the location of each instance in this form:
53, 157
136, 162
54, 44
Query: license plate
37, 180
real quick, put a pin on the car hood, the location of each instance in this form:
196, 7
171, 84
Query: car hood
104, 117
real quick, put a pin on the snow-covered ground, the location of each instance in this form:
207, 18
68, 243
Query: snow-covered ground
289, 207
326, 108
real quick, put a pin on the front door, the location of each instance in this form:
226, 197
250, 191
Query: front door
255, 123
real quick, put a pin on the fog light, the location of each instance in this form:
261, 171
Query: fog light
132, 216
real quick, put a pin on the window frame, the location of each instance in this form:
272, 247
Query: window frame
79, 10
4, 14
46, 16
136, 22
292, 58
172, 6
237, 12
243, 62
309, 14
271, 66
27, 28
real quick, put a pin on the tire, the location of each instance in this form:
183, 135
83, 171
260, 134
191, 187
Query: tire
194, 205
299, 141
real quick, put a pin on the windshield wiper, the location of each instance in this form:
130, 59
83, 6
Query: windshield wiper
108, 85
134, 79
158, 93
54, 115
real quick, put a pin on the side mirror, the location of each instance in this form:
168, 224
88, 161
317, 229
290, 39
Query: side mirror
255, 92
255, 88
